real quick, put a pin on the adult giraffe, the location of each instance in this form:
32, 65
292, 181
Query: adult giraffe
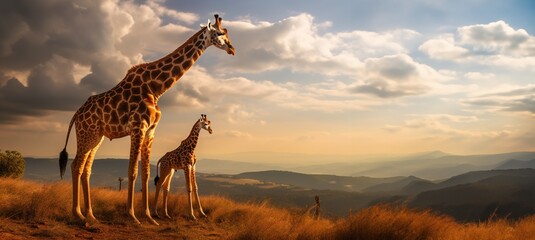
130, 108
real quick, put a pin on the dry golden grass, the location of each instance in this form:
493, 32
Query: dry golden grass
387, 222
43, 211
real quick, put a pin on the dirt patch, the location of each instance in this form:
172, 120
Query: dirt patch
185, 229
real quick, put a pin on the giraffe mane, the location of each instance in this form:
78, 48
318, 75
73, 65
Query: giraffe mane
139, 65
168, 55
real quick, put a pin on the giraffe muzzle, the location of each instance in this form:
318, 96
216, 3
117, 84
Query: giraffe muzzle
230, 50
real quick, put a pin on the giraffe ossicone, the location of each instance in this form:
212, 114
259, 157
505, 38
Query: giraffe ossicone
131, 109
183, 157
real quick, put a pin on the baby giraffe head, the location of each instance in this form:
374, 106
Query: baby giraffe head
205, 123
218, 36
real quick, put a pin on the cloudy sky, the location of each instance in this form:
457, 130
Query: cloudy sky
330, 78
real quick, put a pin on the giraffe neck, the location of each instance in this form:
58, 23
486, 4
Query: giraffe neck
163, 73
191, 140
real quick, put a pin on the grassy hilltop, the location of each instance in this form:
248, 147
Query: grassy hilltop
35, 210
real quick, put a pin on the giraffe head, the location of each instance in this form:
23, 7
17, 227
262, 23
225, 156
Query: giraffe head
205, 123
218, 36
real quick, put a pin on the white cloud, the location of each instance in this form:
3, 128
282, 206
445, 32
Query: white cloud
495, 44
445, 117
161, 10
236, 114
443, 47
520, 99
200, 84
145, 33
204, 89
296, 43
440, 126
357, 69
84, 48
238, 134
479, 75
378, 61
396, 76
39, 125
497, 37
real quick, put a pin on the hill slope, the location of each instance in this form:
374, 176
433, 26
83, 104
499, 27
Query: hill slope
295, 190
517, 164
29, 211
505, 193
470, 177
396, 186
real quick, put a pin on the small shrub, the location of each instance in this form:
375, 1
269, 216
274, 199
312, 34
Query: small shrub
11, 164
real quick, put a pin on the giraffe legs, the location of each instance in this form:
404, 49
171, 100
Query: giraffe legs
166, 187
85, 183
140, 141
195, 189
76, 169
157, 195
87, 146
164, 183
145, 173
135, 146
188, 173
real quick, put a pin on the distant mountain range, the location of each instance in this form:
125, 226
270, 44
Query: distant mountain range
500, 184
435, 165
441, 166
517, 164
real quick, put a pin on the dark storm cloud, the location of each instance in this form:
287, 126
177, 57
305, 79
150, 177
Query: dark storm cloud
47, 39
33, 31
48, 88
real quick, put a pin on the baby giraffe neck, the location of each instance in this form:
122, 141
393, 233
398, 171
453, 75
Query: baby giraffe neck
193, 137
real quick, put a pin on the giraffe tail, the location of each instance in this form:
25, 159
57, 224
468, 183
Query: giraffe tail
157, 178
63, 155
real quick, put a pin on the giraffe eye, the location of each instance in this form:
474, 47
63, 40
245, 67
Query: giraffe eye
220, 34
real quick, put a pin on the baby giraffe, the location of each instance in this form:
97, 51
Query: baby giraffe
184, 158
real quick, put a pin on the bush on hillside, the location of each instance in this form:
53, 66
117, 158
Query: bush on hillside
11, 164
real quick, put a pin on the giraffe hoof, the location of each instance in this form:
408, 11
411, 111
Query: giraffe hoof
154, 222
168, 217
131, 214
91, 219
91, 222
79, 216
137, 222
